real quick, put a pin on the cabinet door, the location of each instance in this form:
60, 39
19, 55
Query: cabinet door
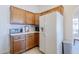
29, 41
18, 44
17, 15
37, 19
30, 18
11, 44
36, 39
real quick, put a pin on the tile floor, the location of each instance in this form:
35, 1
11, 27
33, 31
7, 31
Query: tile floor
33, 51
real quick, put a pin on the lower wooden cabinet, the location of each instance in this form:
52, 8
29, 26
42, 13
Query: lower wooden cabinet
20, 43
32, 40
17, 44
36, 39
29, 41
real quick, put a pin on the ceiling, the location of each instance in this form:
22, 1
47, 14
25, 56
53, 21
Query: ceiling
36, 8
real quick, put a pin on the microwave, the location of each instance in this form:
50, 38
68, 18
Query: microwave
36, 27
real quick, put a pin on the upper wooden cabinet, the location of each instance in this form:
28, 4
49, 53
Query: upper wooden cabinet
17, 15
36, 19
30, 18
20, 16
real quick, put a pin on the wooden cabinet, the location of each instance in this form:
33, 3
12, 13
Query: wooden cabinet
32, 40
36, 19
36, 39
17, 44
29, 41
17, 15
30, 18
20, 16
20, 43
11, 44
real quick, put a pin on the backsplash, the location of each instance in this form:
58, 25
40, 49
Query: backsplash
14, 28
30, 28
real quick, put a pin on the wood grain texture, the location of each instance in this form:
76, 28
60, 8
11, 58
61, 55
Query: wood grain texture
36, 39
59, 9
17, 15
37, 19
30, 18
17, 44
32, 40
29, 41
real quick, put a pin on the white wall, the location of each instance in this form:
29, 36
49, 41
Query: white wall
4, 29
68, 15
69, 11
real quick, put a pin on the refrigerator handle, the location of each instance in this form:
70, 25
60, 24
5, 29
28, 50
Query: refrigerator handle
42, 29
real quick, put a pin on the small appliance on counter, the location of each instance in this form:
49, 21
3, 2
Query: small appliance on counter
36, 27
29, 28
14, 28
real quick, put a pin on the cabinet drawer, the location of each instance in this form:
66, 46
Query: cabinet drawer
19, 37
19, 46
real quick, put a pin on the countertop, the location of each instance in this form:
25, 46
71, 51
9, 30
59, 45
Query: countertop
24, 33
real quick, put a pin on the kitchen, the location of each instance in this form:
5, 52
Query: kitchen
22, 31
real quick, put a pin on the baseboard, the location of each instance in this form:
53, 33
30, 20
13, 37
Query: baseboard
6, 52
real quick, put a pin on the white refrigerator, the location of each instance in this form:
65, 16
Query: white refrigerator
51, 33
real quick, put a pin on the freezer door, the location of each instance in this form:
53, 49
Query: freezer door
42, 37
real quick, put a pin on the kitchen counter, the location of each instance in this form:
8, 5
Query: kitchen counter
24, 33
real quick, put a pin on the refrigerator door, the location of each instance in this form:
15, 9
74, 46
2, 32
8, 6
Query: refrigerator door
50, 32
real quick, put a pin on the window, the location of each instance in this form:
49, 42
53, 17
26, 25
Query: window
75, 26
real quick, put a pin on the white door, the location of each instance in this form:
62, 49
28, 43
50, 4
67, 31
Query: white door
50, 32
42, 34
